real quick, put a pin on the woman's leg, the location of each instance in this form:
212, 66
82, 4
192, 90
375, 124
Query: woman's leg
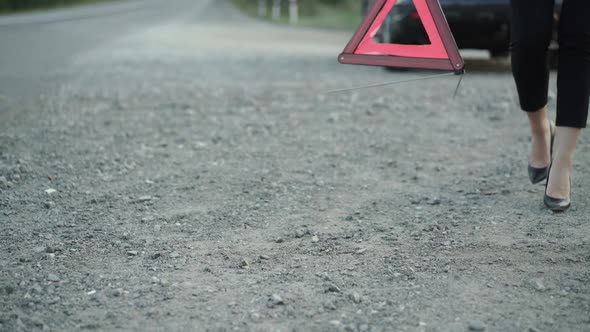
531, 32
558, 184
540, 155
573, 91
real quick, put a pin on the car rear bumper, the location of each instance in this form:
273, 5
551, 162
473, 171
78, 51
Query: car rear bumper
474, 24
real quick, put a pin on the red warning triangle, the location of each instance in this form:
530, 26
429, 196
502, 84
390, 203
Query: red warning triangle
442, 52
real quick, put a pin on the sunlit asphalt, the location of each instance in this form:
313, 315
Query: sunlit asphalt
35, 47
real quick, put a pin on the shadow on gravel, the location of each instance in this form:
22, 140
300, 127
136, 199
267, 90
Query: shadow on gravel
488, 65
471, 65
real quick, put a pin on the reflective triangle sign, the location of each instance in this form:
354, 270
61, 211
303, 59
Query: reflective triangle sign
441, 53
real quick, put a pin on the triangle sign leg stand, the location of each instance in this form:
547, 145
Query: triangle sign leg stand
398, 82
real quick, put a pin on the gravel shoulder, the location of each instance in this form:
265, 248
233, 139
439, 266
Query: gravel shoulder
195, 176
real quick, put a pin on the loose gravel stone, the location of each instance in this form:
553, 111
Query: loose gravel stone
300, 233
355, 297
476, 326
38, 249
538, 285
245, 264
8, 289
142, 199
117, 292
147, 219
332, 288
275, 300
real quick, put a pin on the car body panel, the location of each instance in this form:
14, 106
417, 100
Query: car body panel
477, 24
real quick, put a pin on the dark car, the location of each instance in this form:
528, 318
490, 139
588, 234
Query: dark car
475, 24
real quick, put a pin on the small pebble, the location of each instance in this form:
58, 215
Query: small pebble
332, 288
315, 239
147, 219
144, 198
265, 257
355, 297
330, 305
37, 288
360, 251
8, 289
435, 201
52, 277
300, 233
276, 299
117, 292
476, 325
132, 253
244, 264
538, 285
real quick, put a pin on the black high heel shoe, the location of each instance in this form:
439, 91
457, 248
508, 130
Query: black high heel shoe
557, 204
536, 175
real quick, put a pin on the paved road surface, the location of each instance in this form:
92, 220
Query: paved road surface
36, 47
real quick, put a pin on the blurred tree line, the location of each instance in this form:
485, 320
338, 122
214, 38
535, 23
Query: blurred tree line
311, 7
18, 5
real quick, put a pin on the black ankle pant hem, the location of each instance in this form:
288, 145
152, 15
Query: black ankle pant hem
532, 108
569, 124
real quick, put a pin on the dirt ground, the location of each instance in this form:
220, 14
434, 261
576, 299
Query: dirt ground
196, 177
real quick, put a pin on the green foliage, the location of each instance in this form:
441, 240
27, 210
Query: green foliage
337, 14
20, 5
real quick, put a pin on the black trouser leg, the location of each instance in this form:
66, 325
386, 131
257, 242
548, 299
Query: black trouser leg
573, 77
531, 31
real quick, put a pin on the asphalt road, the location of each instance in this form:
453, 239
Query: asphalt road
35, 48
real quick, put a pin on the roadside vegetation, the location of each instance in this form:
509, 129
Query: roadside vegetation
10, 6
328, 14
